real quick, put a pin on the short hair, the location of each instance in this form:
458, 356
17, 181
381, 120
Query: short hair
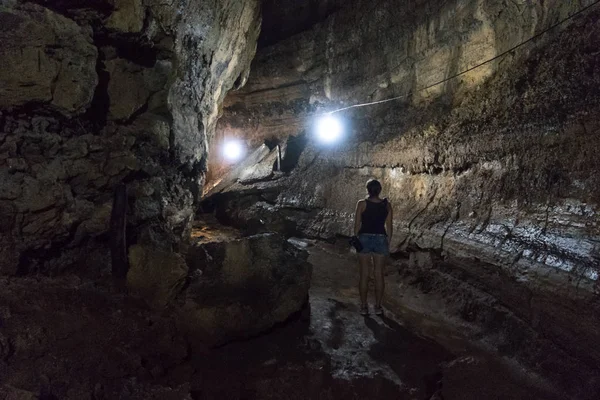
373, 187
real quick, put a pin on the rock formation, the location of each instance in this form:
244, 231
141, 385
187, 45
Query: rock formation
106, 111
98, 93
243, 286
493, 172
228, 286
68, 338
111, 117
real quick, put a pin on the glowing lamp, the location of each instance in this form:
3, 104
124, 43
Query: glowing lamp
233, 151
329, 129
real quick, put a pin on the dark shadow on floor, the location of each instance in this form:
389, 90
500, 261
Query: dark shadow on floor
337, 332
415, 360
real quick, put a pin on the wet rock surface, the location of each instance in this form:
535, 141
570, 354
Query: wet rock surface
546, 323
98, 344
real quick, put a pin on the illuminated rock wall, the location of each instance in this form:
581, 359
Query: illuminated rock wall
495, 171
98, 93
502, 124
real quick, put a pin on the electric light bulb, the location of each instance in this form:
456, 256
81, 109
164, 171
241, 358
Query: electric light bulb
329, 129
233, 150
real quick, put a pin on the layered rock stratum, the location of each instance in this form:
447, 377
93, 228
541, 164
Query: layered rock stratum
493, 171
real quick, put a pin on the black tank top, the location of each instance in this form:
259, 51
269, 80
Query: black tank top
373, 218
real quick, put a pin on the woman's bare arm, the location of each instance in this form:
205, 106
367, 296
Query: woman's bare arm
358, 216
389, 223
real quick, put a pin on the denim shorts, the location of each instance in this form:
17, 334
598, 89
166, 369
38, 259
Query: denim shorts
377, 244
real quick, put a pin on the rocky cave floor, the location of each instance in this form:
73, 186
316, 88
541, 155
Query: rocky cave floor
330, 351
74, 339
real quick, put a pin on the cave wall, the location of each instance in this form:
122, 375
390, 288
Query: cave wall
98, 93
494, 171
501, 159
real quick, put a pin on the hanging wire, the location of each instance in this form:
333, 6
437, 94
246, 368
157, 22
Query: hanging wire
581, 11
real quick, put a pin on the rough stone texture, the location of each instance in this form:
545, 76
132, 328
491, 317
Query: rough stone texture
242, 287
98, 93
10, 393
155, 276
47, 58
227, 287
239, 171
126, 89
531, 324
262, 170
75, 340
98, 345
494, 170
128, 16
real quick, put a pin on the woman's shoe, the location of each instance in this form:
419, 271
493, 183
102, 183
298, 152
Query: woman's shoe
378, 310
364, 309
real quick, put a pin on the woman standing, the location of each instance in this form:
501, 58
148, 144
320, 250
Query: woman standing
373, 224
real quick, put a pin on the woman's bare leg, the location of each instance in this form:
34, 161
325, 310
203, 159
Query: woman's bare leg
364, 261
379, 277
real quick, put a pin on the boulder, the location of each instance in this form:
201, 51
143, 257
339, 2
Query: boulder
154, 275
46, 58
243, 287
260, 171
234, 174
128, 16
126, 88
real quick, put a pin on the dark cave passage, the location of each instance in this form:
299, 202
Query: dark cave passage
179, 180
